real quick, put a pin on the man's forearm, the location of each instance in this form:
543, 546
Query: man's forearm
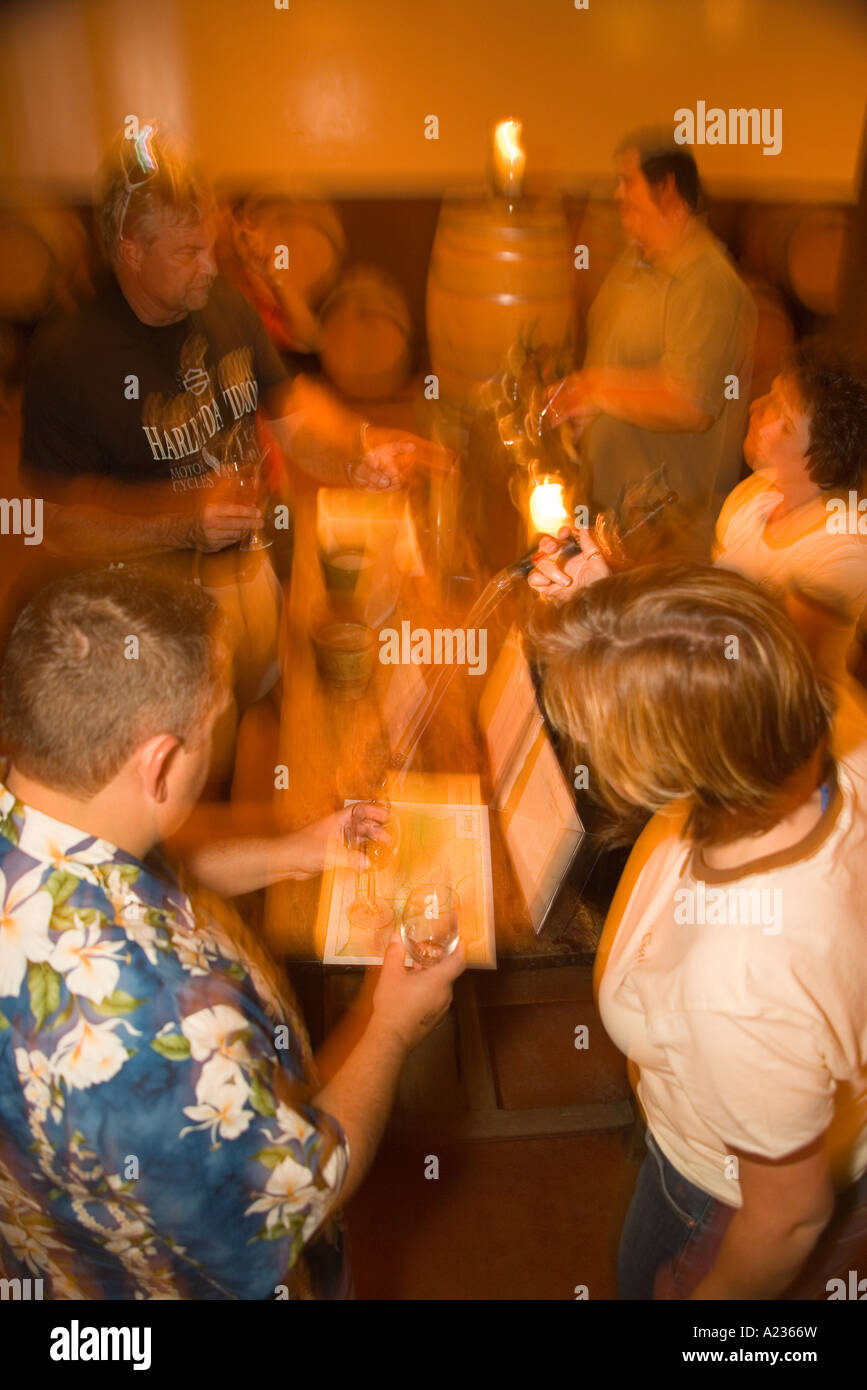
360, 1096
319, 433
756, 1261
235, 866
82, 530
92, 515
232, 848
642, 396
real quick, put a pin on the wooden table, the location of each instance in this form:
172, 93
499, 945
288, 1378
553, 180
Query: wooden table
334, 748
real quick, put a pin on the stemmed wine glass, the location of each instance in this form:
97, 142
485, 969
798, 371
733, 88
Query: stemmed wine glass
430, 928
367, 913
251, 481
242, 462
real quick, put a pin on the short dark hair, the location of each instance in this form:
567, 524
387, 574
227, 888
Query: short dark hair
74, 705
659, 156
833, 392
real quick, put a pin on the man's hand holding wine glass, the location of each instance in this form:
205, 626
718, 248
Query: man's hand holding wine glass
410, 1003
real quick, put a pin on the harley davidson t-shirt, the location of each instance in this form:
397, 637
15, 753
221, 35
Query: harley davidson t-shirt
108, 394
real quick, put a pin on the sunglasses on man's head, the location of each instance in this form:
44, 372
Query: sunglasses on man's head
145, 168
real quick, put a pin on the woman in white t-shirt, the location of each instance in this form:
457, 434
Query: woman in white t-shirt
795, 522
732, 971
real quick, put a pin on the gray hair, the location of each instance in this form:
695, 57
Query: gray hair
133, 201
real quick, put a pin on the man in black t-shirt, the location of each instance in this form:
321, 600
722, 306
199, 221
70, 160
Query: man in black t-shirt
140, 411
146, 394
111, 394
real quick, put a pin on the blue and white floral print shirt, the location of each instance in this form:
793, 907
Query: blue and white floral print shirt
156, 1135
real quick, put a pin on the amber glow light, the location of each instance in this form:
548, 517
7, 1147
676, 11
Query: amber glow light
547, 511
509, 159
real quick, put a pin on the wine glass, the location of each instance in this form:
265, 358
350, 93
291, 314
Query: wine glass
368, 914
430, 928
250, 481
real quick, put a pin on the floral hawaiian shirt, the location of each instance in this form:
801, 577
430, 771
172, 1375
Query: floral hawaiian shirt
157, 1138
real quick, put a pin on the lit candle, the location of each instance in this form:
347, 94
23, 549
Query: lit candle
547, 512
509, 159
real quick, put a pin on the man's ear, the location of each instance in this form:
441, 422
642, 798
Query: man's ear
668, 198
129, 253
154, 761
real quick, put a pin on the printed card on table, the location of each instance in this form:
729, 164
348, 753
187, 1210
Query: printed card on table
437, 843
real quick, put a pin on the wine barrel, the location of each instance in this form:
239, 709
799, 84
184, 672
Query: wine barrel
816, 255
763, 234
366, 335
313, 235
774, 334
499, 274
800, 250
26, 270
10, 350
43, 261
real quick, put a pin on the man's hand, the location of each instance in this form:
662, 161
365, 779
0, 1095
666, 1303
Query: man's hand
305, 853
572, 398
222, 520
389, 456
553, 582
408, 1003
644, 396
363, 1070
333, 443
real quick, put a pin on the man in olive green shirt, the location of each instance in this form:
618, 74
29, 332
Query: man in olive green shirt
667, 371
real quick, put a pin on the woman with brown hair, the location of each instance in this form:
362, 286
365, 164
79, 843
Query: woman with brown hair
798, 521
732, 970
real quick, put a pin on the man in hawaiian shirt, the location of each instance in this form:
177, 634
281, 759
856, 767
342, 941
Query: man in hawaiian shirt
161, 1131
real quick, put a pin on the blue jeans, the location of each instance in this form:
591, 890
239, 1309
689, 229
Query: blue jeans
670, 1219
665, 1214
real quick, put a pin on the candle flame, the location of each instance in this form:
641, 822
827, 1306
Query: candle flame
508, 139
509, 158
547, 508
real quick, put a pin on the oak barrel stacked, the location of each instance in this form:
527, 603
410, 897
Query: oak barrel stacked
792, 258
499, 274
45, 263
800, 250
314, 238
366, 335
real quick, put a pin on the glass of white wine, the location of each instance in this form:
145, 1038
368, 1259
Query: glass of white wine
253, 492
430, 929
367, 913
